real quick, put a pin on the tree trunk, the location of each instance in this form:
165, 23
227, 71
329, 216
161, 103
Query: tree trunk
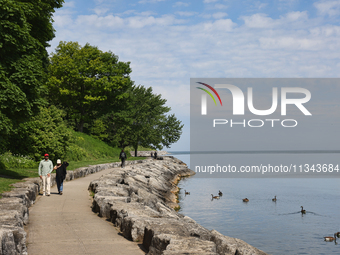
81, 126
136, 150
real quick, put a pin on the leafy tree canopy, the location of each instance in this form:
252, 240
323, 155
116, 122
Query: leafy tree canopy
86, 82
25, 29
143, 121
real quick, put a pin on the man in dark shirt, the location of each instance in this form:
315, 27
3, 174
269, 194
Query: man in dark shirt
122, 157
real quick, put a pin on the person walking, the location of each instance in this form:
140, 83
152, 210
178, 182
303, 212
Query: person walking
122, 157
45, 169
60, 175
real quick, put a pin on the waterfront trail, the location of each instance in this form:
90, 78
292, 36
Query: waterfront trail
65, 224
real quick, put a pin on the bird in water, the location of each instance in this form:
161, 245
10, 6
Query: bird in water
337, 234
214, 197
220, 193
245, 200
274, 199
186, 193
330, 238
303, 211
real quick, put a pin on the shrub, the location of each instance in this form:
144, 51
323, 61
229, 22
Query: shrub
10, 161
44, 133
75, 153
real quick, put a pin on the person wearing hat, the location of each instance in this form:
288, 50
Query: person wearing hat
60, 175
45, 169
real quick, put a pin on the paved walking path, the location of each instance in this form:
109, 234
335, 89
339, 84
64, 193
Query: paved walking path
65, 224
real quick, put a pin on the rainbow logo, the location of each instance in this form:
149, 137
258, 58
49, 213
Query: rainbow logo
209, 93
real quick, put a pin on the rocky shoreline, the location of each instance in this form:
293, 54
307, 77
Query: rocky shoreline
139, 200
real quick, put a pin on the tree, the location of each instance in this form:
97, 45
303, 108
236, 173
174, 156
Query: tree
44, 133
25, 29
143, 121
86, 82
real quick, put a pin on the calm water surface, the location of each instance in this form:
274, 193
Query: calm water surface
274, 227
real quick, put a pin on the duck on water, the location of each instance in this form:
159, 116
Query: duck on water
330, 238
214, 197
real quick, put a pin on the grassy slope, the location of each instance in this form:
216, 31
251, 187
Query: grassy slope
94, 152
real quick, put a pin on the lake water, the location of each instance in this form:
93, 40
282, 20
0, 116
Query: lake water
274, 227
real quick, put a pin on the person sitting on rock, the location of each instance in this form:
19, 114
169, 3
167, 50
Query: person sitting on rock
122, 157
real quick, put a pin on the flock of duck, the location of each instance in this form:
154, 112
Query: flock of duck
303, 211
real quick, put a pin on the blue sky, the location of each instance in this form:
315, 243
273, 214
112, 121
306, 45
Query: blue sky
169, 42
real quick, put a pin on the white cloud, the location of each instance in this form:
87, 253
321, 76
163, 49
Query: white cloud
291, 43
221, 24
219, 15
221, 6
258, 20
294, 16
181, 4
186, 14
330, 8
128, 12
209, 1
325, 31
261, 5
69, 4
150, 1
100, 11
261, 20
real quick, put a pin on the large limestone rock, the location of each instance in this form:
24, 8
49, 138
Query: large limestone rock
12, 241
171, 244
14, 215
230, 246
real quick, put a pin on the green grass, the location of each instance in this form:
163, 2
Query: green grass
5, 184
86, 147
177, 208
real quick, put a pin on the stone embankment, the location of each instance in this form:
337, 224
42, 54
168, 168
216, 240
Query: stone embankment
148, 153
14, 207
140, 201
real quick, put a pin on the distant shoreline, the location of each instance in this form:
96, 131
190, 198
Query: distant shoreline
148, 153
259, 152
